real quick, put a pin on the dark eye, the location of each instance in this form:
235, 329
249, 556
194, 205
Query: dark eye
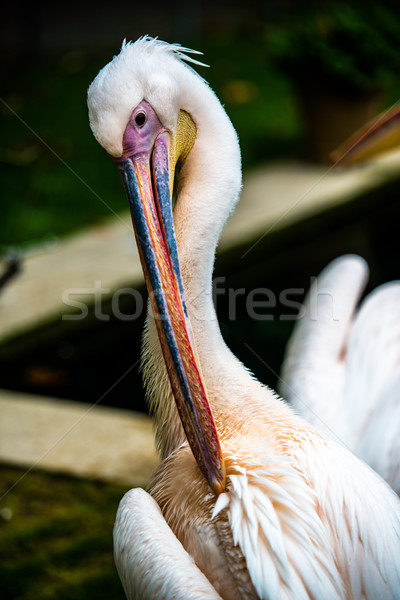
140, 119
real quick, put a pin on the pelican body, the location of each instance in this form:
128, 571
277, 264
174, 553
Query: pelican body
255, 502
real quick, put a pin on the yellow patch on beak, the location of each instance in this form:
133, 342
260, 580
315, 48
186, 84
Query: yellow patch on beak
181, 143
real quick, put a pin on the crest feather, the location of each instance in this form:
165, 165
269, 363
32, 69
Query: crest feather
153, 45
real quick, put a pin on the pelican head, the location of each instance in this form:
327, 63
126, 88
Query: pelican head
145, 109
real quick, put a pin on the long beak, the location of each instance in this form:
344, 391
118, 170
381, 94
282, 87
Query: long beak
378, 136
146, 178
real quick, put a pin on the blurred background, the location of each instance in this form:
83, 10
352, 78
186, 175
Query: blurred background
296, 79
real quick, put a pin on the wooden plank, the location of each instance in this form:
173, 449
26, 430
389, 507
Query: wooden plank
77, 439
105, 257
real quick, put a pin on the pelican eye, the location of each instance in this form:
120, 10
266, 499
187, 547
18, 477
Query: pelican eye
140, 119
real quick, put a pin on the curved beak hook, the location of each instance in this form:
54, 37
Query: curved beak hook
379, 135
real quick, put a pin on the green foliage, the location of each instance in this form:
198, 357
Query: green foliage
55, 177
58, 541
257, 96
352, 47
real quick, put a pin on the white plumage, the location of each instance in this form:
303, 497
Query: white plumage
342, 367
300, 516
158, 567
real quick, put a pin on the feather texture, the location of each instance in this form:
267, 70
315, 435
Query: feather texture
301, 517
342, 369
159, 567
292, 517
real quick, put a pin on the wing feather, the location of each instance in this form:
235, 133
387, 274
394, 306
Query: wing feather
342, 370
373, 363
313, 373
151, 562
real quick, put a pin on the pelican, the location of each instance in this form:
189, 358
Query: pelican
249, 500
341, 370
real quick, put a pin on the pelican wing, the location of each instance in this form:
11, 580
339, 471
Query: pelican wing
313, 371
342, 371
379, 445
151, 562
372, 388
